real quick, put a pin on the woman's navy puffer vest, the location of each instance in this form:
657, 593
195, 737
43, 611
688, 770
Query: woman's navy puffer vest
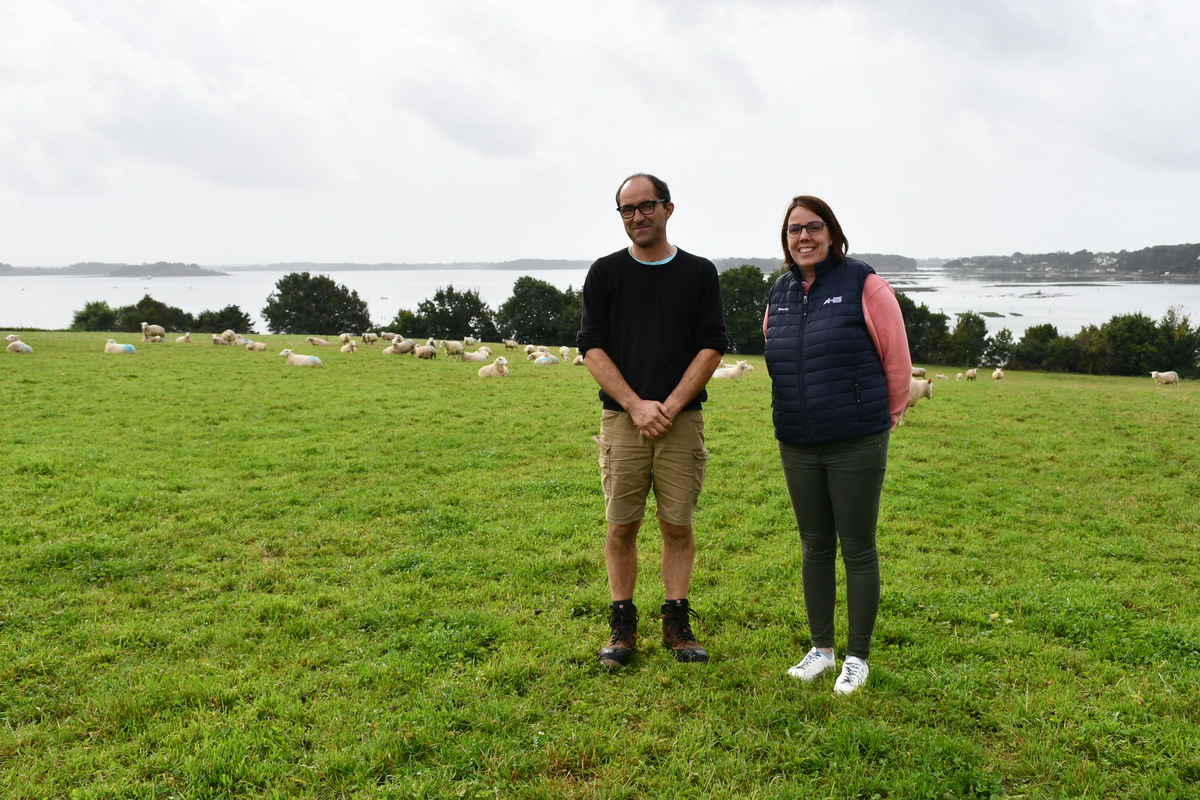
827, 383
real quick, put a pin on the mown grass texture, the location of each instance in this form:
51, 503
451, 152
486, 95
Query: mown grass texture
222, 577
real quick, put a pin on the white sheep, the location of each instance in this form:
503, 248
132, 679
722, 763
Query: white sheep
156, 339
350, 347
470, 341
496, 369
998, 374
220, 340
385, 335
149, 330
344, 338
916, 390
185, 339
399, 346
111, 346
297, 360
452, 348
958, 377
17, 346
941, 377
256, 347
509, 344
545, 359
734, 371
578, 362
918, 372
12, 337
229, 336
370, 338
480, 355
564, 352
971, 374
1165, 378
425, 351
530, 349
315, 342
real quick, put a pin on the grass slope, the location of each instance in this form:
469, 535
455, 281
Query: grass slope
221, 577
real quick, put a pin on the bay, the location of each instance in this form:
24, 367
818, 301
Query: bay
50, 301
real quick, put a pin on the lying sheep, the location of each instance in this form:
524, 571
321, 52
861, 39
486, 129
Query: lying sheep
315, 342
482, 354
149, 330
12, 337
941, 377
111, 346
155, 339
1165, 378
916, 390
350, 347
256, 347
17, 346
370, 338
220, 341
998, 374
971, 373
734, 371
545, 359
496, 369
297, 360
229, 336
185, 339
425, 351
398, 346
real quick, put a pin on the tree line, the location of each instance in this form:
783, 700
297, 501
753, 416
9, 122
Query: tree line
537, 311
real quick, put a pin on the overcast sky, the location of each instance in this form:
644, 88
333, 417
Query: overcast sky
225, 132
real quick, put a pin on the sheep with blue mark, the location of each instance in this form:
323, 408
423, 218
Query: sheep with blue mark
298, 360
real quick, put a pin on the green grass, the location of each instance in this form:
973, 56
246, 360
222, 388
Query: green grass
221, 577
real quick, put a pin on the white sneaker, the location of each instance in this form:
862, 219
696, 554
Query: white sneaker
813, 665
854, 675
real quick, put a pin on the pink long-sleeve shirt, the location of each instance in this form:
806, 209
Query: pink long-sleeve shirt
885, 324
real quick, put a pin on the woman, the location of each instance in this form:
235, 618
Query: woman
840, 371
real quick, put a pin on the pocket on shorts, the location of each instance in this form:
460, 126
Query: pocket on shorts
605, 452
701, 456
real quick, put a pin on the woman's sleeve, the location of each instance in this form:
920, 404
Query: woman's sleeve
885, 323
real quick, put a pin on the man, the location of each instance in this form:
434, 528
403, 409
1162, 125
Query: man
653, 331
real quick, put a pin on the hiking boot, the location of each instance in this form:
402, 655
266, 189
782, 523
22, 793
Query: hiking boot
677, 632
854, 675
813, 665
622, 619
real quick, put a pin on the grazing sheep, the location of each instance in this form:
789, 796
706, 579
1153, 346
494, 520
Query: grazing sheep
509, 344
229, 336
958, 377
315, 342
256, 347
482, 354
17, 346
541, 348
916, 390
971, 373
220, 341
425, 351
564, 352
470, 341
452, 348
578, 362
530, 349
111, 346
297, 360
496, 369
149, 330
185, 339
918, 372
344, 338
734, 371
350, 347
370, 338
1164, 378
546, 359
998, 374
431, 342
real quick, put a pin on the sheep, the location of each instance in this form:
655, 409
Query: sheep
185, 339
149, 330
941, 377
344, 338
17, 346
916, 390
370, 338
564, 352
229, 336
399, 345
12, 337
242, 341
734, 371
470, 341
971, 373
385, 335
482, 354
496, 369
350, 347
219, 340
256, 347
748, 368
425, 351
541, 348
297, 360
1164, 378
452, 348
315, 342
111, 346
431, 342
156, 339
530, 349
578, 362
958, 377
546, 359
918, 372
509, 344
998, 374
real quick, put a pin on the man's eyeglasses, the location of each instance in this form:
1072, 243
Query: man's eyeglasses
647, 208
813, 229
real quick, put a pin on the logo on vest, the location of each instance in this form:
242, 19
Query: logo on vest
829, 300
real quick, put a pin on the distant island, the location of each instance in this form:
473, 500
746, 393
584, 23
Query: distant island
1162, 262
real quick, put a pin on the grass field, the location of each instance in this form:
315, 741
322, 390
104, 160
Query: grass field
222, 577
